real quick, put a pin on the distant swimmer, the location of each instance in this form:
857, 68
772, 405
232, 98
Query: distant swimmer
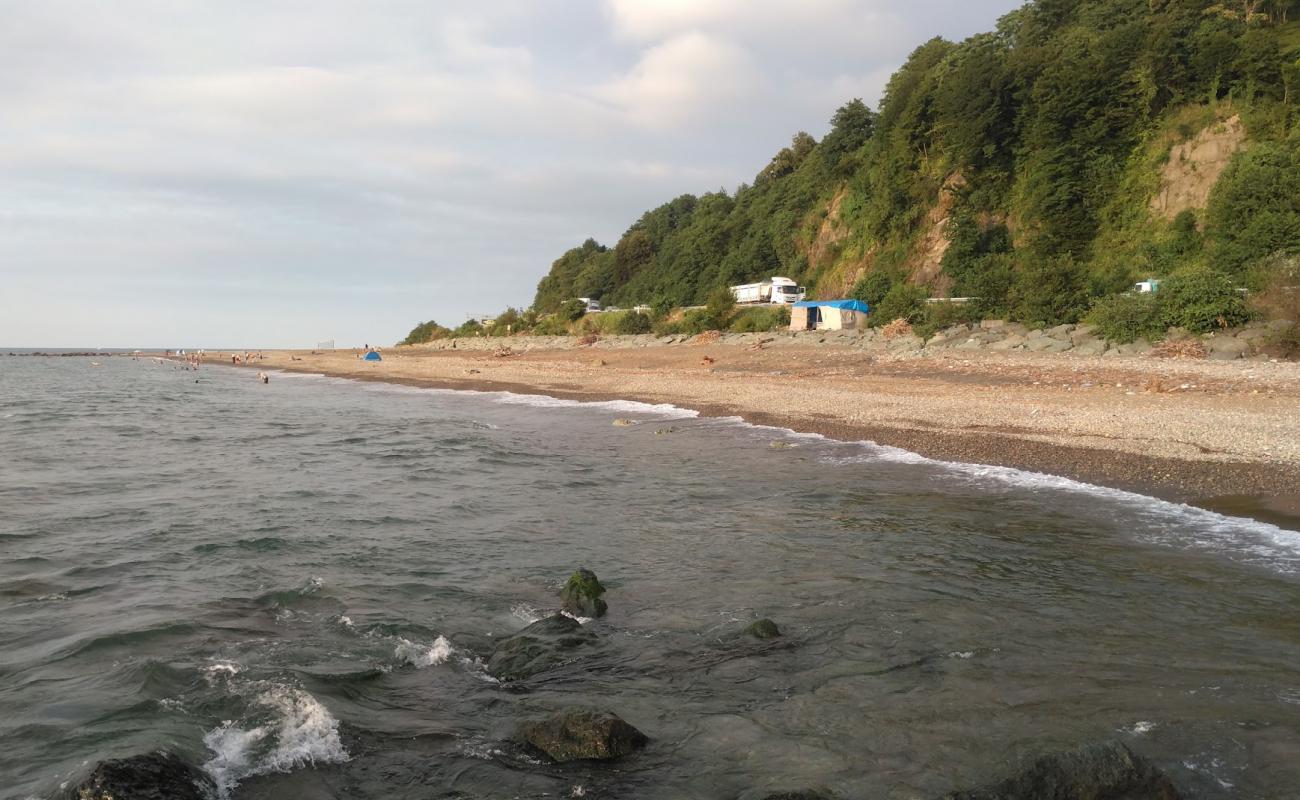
263, 377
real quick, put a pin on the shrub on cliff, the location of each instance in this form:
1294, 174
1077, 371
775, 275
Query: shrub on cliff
759, 320
1201, 300
903, 301
425, 332
1125, 318
630, 323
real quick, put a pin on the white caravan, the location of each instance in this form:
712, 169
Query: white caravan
774, 290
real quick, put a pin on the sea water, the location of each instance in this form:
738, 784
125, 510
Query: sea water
296, 584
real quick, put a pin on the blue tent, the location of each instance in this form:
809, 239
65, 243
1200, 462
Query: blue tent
373, 355
846, 305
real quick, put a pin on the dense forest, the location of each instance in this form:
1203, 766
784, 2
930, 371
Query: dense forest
1040, 168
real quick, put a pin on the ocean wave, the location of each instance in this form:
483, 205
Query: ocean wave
284, 729
420, 656
1166, 522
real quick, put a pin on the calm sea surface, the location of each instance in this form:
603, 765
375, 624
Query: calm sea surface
294, 584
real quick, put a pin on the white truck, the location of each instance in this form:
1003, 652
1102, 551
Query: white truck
778, 290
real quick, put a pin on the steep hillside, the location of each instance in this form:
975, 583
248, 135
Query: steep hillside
1080, 145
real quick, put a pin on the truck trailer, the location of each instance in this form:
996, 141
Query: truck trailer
782, 291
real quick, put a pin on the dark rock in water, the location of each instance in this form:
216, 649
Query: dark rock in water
763, 629
577, 734
543, 645
581, 595
155, 776
1105, 771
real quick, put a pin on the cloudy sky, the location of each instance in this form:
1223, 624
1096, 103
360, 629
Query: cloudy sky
277, 173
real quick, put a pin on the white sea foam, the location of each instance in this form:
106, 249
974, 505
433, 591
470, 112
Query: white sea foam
527, 614
962, 654
418, 655
288, 729
1163, 522
1139, 728
1160, 521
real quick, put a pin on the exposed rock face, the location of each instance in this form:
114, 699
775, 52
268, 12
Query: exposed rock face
1105, 771
582, 595
763, 629
154, 776
577, 734
544, 645
1195, 166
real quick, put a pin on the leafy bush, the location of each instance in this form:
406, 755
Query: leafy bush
1127, 317
719, 309
469, 328
1279, 299
903, 301
937, 316
1255, 206
572, 310
551, 325
872, 287
759, 320
1201, 300
425, 332
1048, 291
629, 323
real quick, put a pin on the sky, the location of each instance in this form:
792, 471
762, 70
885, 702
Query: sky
274, 173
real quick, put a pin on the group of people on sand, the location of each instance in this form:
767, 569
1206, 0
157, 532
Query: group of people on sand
246, 357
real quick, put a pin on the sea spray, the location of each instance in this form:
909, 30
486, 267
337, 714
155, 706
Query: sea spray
284, 728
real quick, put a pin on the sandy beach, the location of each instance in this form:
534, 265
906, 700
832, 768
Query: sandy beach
1224, 435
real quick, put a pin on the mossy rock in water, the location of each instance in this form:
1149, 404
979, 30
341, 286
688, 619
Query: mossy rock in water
1105, 771
155, 776
581, 596
763, 629
577, 734
542, 646
624, 423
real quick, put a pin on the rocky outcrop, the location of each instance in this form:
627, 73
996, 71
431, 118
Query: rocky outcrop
581, 596
1195, 166
578, 734
542, 646
763, 629
1105, 771
154, 776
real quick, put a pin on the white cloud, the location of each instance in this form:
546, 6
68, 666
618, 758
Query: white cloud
159, 158
684, 79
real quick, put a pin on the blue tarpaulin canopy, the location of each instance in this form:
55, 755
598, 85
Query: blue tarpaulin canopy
373, 356
847, 305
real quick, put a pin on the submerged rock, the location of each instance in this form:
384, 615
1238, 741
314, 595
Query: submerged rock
624, 423
581, 734
582, 595
763, 629
544, 645
154, 776
1105, 771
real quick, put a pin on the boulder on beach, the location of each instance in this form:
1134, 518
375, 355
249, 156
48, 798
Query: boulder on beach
153, 776
576, 734
581, 596
1104, 771
763, 629
544, 645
